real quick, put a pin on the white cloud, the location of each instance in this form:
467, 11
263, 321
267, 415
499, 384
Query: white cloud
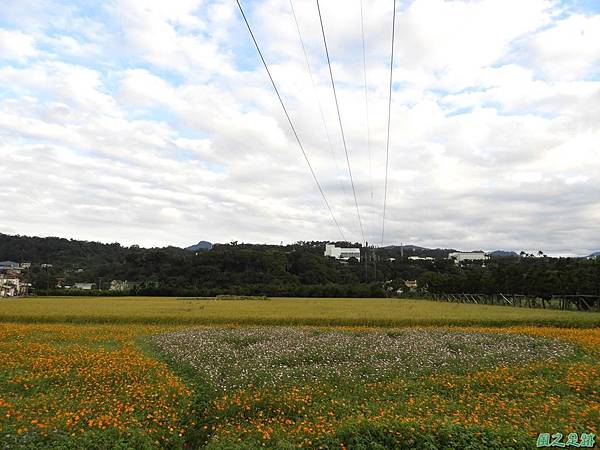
16, 45
155, 123
454, 40
570, 49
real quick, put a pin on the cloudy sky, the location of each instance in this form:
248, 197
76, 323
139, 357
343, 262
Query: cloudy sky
153, 122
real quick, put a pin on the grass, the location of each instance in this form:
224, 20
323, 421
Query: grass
281, 311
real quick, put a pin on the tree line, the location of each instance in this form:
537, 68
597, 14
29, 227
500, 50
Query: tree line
298, 269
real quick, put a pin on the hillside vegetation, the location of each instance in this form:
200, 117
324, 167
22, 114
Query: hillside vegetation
298, 270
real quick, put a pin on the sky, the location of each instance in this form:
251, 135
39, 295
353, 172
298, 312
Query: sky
154, 123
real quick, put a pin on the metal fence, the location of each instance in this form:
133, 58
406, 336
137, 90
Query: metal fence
577, 302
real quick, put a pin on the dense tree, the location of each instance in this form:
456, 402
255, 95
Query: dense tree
299, 270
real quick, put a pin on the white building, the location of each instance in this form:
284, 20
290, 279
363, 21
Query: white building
421, 258
84, 286
10, 265
119, 285
11, 286
459, 257
343, 254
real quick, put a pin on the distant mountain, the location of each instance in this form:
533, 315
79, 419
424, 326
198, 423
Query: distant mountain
503, 254
406, 247
415, 250
202, 246
594, 254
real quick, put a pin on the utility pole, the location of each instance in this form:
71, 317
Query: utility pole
366, 256
375, 262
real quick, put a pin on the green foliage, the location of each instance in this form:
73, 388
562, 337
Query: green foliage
415, 436
298, 270
109, 439
541, 277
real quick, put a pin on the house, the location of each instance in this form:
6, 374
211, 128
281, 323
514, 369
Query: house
421, 258
9, 265
84, 286
343, 254
12, 286
10, 269
118, 285
460, 257
26, 265
411, 284
46, 266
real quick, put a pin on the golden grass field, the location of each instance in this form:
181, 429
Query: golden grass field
282, 311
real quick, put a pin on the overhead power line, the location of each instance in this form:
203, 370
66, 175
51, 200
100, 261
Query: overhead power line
340, 121
387, 145
362, 32
314, 86
290, 122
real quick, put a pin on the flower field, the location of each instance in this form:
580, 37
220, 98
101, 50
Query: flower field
67, 384
423, 388
143, 386
243, 357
